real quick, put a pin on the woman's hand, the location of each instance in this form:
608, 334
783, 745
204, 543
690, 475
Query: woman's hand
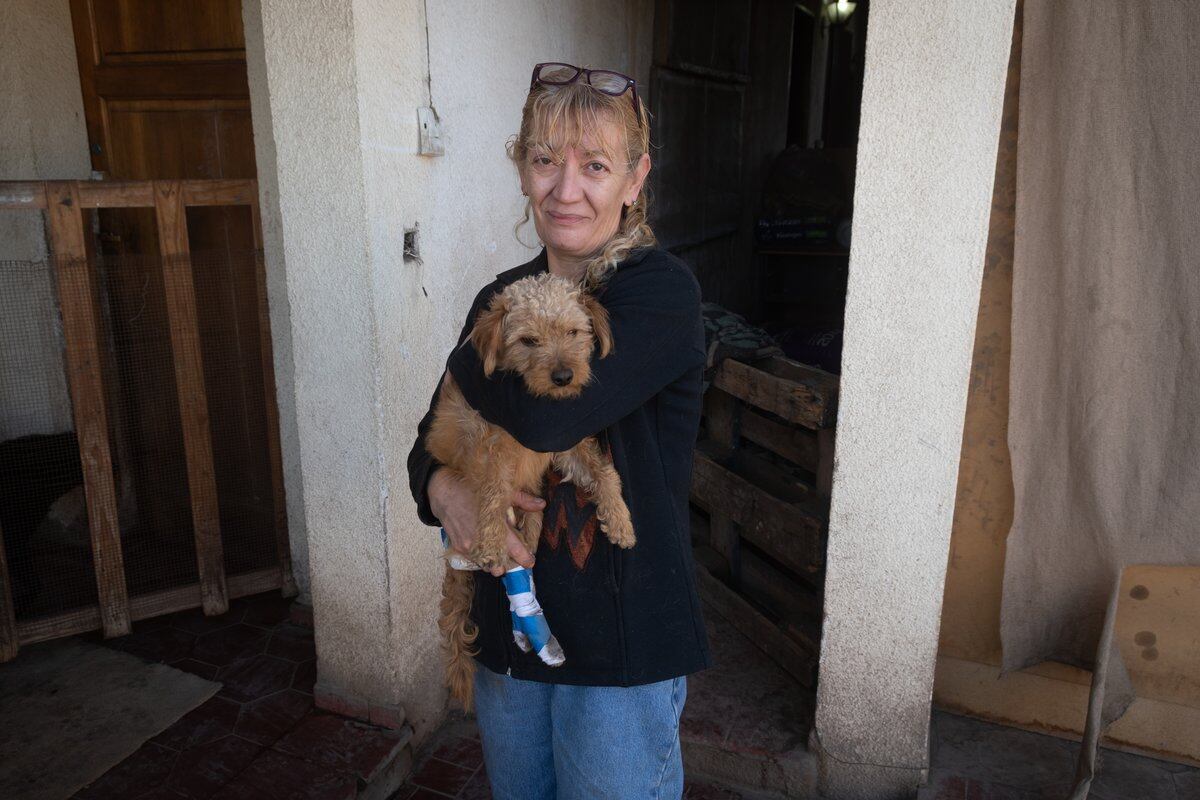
453, 502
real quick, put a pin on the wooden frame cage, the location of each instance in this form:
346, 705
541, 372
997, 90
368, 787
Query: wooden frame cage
65, 203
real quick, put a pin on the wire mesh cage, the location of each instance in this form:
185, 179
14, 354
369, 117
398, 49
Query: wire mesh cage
139, 462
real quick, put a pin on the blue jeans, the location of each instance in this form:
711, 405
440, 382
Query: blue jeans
544, 741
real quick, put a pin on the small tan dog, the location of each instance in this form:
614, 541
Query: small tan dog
544, 328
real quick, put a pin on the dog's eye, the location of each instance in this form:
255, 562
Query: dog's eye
573, 332
529, 341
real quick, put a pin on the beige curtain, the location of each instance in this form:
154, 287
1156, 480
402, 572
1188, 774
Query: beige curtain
1104, 420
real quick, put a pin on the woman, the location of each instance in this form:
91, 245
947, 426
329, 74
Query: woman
606, 724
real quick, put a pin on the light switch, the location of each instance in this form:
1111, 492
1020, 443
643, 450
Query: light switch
429, 129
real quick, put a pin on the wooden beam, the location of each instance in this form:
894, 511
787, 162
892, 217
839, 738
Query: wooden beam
9, 643
825, 450
804, 395
220, 192
785, 651
798, 445
81, 331
787, 531
283, 542
170, 212
115, 194
128, 194
722, 419
144, 606
22, 195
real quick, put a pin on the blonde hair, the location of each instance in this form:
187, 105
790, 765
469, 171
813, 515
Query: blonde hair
560, 116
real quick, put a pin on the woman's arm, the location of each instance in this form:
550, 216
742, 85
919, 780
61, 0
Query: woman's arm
421, 463
654, 313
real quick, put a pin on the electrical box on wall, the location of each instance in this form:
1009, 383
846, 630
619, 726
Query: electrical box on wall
429, 133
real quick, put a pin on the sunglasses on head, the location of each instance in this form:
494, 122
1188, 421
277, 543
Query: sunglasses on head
611, 83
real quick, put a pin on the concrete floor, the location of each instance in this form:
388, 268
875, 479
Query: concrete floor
974, 760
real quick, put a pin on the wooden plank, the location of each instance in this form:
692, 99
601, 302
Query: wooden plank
804, 395
115, 194
721, 418
798, 445
283, 541
825, 449
797, 605
9, 643
22, 195
170, 213
785, 651
787, 531
221, 192
145, 606
81, 331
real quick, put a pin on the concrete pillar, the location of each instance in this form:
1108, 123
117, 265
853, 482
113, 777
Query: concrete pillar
303, 66
932, 100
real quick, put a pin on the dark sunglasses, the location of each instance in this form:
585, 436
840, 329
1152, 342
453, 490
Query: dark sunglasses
612, 83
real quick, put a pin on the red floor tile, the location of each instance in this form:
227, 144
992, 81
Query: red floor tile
256, 677
199, 668
265, 720
441, 776
292, 643
275, 776
703, 791
200, 771
477, 788
461, 751
146, 769
342, 743
229, 644
421, 793
306, 677
207, 722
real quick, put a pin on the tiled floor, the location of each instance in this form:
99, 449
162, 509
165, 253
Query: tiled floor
451, 766
260, 736
747, 721
972, 760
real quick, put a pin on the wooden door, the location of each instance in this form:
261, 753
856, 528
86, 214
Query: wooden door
166, 96
719, 96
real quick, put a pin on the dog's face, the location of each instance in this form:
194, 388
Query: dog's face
544, 328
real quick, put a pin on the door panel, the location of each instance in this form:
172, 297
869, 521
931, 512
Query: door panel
166, 96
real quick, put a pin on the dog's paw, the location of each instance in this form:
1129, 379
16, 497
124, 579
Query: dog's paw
619, 531
487, 559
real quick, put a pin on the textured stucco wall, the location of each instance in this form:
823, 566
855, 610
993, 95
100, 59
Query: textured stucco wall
280, 310
931, 112
341, 82
42, 136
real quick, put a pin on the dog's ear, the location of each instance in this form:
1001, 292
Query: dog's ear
600, 328
487, 336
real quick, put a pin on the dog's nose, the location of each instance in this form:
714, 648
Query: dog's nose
562, 376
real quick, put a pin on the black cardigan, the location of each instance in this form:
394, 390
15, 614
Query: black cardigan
623, 617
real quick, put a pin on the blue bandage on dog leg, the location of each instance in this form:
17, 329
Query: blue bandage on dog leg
530, 629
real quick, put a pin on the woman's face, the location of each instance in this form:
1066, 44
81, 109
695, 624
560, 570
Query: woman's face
577, 195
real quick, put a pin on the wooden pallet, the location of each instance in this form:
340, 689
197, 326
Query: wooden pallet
760, 492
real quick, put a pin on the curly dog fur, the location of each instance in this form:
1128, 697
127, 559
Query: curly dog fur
545, 329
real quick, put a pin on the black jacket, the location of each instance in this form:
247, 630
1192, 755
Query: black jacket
623, 617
